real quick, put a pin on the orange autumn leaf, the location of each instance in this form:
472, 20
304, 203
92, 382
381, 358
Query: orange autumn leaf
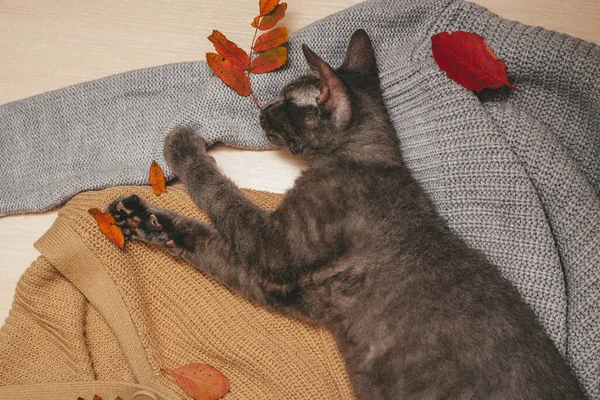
229, 50
108, 226
266, 6
201, 381
96, 397
157, 179
270, 20
271, 39
231, 74
269, 61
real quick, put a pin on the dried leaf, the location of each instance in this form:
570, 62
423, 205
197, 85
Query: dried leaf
270, 20
108, 226
266, 6
201, 381
269, 61
467, 59
231, 74
271, 39
229, 50
96, 397
157, 179
255, 21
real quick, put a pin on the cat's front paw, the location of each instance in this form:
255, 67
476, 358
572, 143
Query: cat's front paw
184, 150
139, 220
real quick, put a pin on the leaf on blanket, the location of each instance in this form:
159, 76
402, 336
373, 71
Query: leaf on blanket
108, 226
201, 381
156, 177
231, 74
232, 64
270, 20
96, 397
467, 59
269, 61
271, 39
229, 50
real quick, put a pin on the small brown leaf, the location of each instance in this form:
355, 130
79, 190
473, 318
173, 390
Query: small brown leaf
255, 21
229, 50
266, 6
269, 61
231, 74
108, 226
156, 177
270, 20
201, 381
271, 39
96, 397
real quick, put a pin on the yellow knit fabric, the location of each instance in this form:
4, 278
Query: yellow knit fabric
63, 327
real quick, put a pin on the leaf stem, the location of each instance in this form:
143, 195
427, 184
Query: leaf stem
255, 99
248, 72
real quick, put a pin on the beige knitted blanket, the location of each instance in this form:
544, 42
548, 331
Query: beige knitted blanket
90, 319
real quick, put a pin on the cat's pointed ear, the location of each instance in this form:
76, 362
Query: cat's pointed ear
360, 56
334, 93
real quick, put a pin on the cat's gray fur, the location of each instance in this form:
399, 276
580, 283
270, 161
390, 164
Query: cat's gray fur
356, 246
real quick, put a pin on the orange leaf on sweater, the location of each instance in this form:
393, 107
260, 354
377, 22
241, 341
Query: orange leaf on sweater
108, 226
269, 61
157, 179
201, 381
229, 50
467, 59
271, 39
271, 19
231, 74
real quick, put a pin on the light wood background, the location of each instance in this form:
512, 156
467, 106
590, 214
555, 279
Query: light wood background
46, 45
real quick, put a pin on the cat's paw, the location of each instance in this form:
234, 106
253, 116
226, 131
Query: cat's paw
139, 220
184, 149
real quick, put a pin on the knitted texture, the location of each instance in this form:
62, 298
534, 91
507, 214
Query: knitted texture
54, 334
516, 174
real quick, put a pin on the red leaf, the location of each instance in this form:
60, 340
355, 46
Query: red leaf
108, 226
269, 61
156, 176
201, 381
229, 50
231, 74
271, 39
271, 19
467, 59
266, 6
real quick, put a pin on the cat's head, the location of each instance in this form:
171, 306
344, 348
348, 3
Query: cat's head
328, 109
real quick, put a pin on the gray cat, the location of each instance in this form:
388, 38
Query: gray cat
357, 247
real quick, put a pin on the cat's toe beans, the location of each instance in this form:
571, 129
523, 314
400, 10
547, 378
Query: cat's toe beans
170, 243
153, 222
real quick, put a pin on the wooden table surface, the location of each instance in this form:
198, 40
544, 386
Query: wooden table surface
46, 45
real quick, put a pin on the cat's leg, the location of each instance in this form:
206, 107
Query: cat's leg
196, 242
279, 244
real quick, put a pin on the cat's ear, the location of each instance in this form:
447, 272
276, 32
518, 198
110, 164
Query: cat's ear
334, 93
360, 56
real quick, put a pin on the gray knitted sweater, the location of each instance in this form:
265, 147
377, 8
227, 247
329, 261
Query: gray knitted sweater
516, 174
